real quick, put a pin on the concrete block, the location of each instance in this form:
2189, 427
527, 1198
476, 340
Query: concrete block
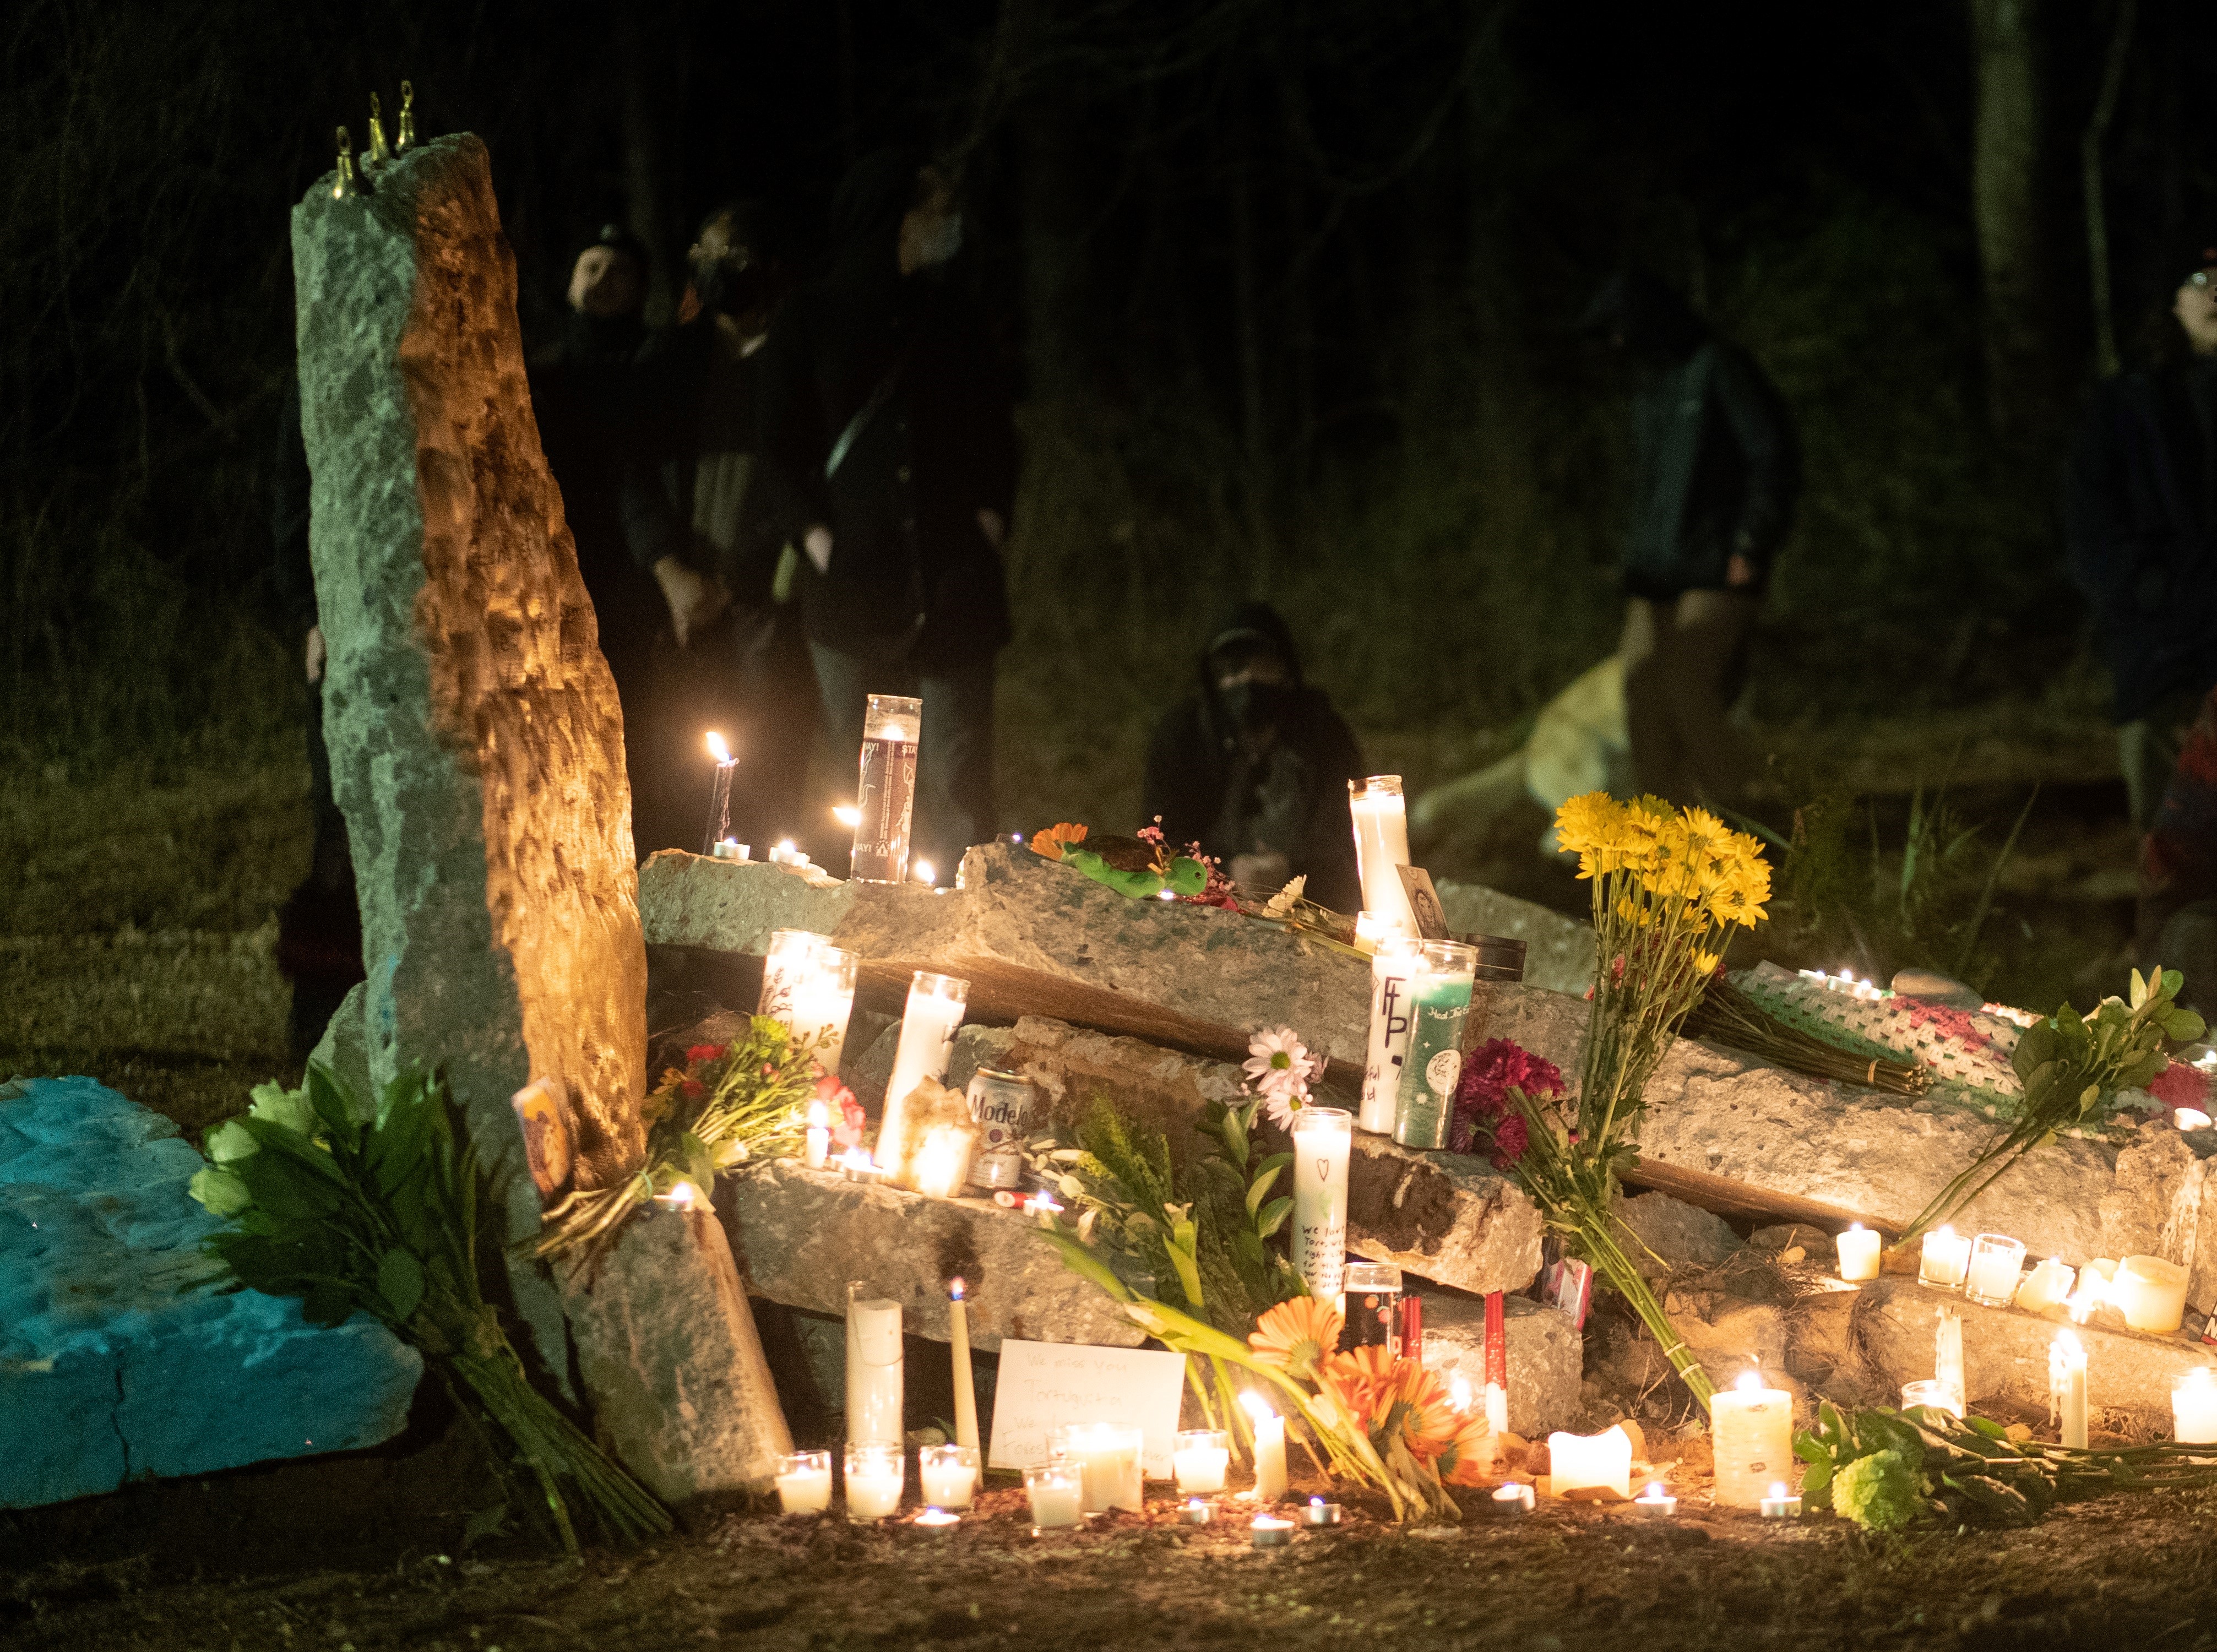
1546, 1357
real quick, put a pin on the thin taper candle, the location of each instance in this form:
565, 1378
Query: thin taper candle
966, 1390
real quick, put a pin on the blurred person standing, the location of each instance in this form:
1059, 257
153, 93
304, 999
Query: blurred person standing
1253, 765
2140, 527
1716, 468
889, 457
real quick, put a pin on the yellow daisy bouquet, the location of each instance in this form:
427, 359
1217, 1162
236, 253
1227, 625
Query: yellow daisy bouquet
1670, 885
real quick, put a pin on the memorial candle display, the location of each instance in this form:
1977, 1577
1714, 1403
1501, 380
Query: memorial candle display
2066, 1387
874, 1371
2047, 1287
936, 1003
1106, 1458
876, 1475
1997, 1262
885, 804
1055, 1490
1270, 1448
1391, 967
719, 795
823, 999
2194, 1407
966, 1387
947, 1476
1577, 1461
1199, 1457
1858, 1247
1945, 1258
791, 953
1322, 1139
1752, 1428
1439, 1002
1382, 849
2151, 1293
804, 1482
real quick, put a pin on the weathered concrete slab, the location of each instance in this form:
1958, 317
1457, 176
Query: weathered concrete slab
1546, 1357
1558, 952
117, 1360
798, 1236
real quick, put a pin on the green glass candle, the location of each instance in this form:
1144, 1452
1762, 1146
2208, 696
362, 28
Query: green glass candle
1439, 1007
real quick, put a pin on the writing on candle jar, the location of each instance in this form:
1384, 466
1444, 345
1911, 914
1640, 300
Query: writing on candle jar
1439, 1004
1322, 1141
1391, 966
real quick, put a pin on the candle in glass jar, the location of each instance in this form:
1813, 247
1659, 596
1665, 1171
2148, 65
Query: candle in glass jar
1382, 849
1945, 1258
1439, 1000
1322, 1140
791, 952
1752, 1428
2151, 1293
1391, 967
2066, 1386
1931, 1391
1270, 1448
2047, 1287
1056, 1491
885, 801
936, 1003
2194, 1407
823, 999
1858, 1247
1200, 1458
876, 1475
1106, 1458
804, 1482
1997, 1263
947, 1476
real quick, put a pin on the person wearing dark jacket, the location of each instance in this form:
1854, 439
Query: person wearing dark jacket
1716, 468
1254, 767
889, 457
2140, 526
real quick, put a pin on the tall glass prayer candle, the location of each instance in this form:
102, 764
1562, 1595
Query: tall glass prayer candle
2194, 1407
720, 793
1392, 968
885, 800
936, 1003
1752, 1429
874, 1373
1439, 1002
2066, 1387
1382, 849
1858, 1247
1323, 1137
823, 999
791, 952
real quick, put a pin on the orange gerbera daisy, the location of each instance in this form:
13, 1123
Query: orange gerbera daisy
1391, 1394
1469, 1459
1051, 841
1297, 1334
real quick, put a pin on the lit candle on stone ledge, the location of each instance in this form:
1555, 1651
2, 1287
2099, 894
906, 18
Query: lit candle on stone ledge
1997, 1263
966, 1388
720, 793
1752, 1428
1577, 1461
823, 1001
1945, 1260
934, 1011
2151, 1293
1392, 966
2194, 1407
1322, 1140
2047, 1287
1382, 849
1858, 1249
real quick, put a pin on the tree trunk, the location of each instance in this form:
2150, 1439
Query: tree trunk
644, 194
2097, 215
2014, 257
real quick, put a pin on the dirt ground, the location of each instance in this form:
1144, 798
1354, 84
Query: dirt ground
136, 945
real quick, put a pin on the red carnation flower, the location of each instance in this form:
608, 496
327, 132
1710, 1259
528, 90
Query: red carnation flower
699, 1052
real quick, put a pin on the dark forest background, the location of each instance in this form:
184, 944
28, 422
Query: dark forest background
1291, 285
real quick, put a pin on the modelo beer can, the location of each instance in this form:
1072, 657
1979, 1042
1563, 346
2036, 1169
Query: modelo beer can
1000, 1102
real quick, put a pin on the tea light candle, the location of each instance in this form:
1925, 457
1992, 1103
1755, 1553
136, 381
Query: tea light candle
2194, 1407
1514, 1500
1779, 1503
1271, 1532
1858, 1249
729, 849
1195, 1512
937, 1519
804, 1482
2047, 1287
947, 1476
1056, 1492
1997, 1263
1270, 1448
1319, 1512
1581, 1460
2066, 1386
1200, 1457
1656, 1501
1753, 1430
2189, 1119
1945, 1260
855, 1166
2151, 1293
1106, 1458
874, 1478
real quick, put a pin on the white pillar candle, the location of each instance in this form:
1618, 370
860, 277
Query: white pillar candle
1322, 1139
1392, 968
1106, 1458
947, 1476
2067, 1385
1997, 1263
2194, 1407
874, 1371
876, 1475
2047, 1287
1858, 1249
823, 999
1752, 1428
1945, 1258
936, 1003
1948, 1358
966, 1387
791, 953
1200, 1458
2151, 1293
1270, 1448
1056, 1491
1382, 849
1577, 1461
804, 1482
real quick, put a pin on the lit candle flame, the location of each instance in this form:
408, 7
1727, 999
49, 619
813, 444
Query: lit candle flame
1257, 1407
848, 816
717, 748
1748, 1381
1459, 1392
955, 1289
1657, 1490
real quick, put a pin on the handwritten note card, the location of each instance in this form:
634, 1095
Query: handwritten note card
1044, 1386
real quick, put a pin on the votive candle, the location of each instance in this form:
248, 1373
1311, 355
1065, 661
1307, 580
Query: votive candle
2047, 1287
2194, 1407
1057, 1493
1944, 1258
1858, 1247
804, 1482
1200, 1459
2151, 1293
1106, 1458
874, 1478
1996, 1264
947, 1476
